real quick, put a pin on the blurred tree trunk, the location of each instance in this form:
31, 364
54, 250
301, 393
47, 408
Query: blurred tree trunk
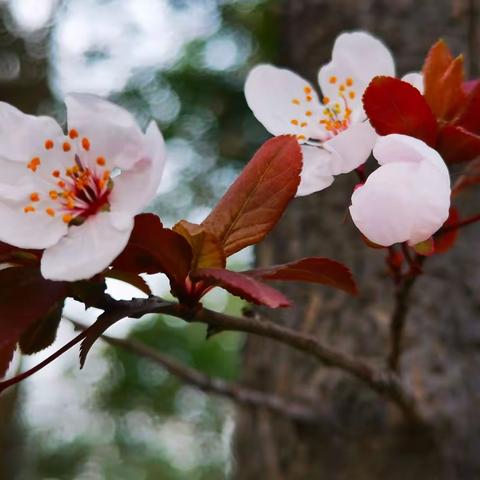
365, 438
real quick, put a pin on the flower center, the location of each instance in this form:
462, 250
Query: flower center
335, 116
78, 192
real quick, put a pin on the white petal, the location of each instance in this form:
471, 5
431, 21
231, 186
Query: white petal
357, 56
277, 97
351, 148
415, 79
403, 148
23, 136
111, 130
403, 200
28, 230
134, 189
316, 171
86, 250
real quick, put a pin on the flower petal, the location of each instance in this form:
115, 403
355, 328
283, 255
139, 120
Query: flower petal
23, 136
416, 80
283, 102
357, 56
86, 250
111, 131
316, 171
351, 148
135, 189
402, 148
407, 198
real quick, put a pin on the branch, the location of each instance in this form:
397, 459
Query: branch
238, 393
462, 223
386, 384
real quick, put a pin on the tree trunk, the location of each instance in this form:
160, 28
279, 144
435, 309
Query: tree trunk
364, 437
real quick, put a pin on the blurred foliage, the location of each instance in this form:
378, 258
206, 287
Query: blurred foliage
123, 418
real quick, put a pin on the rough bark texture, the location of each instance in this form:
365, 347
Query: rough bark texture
365, 438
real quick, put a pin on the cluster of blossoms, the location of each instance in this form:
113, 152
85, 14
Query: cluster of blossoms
407, 198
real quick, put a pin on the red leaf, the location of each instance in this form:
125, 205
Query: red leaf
207, 249
257, 199
242, 286
394, 106
314, 270
470, 117
443, 79
445, 241
455, 144
154, 249
6, 356
25, 296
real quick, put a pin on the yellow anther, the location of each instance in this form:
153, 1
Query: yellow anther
296, 101
73, 133
29, 209
307, 90
349, 82
50, 212
86, 143
53, 194
49, 144
308, 113
308, 98
67, 218
56, 173
66, 147
351, 95
34, 197
303, 124
61, 184
301, 137
101, 161
333, 79
341, 88
325, 100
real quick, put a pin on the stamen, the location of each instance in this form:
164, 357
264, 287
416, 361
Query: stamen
67, 218
101, 161
308, 113
307, 90
308, 98
50, 212
349, 82
53, 194
34, 164
66, 147
73, 133
303, 124
29, 209
49, 144
325, 100
34, 197
333, 79
296, 101
86, 143
56, 173
351, 95
301, 137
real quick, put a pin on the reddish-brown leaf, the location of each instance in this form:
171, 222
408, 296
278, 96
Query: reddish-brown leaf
256, 200
42, 333
154, 249
456, 145
314, 270
443, 79
445, 241
242, 286
6, 356
470, 116
207, 249
25, 296
394, 106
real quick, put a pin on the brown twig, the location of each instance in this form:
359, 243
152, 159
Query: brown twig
238, 393
462, 223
